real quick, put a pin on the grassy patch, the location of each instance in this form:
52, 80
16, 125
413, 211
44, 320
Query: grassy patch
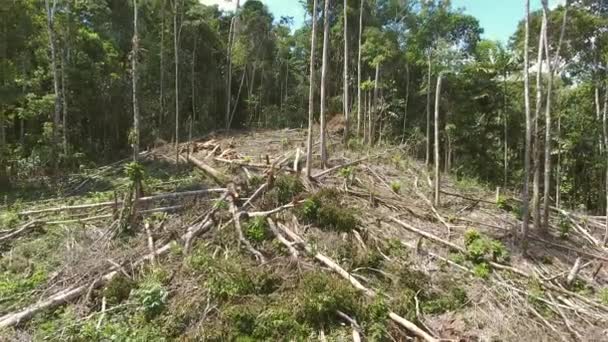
324, 210
284, 190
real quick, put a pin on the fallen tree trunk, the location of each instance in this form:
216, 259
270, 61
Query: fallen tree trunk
217, 176
24, 228
170, 195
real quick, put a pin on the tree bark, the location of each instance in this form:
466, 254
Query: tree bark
538, 140
407, 98
311, 91
346, 102
229, 76
374, 111
528, 147
437, 160
548, 124
359, 71
64, 106
324, 72
192, 79
605, 125
428, 113
162, 69
176, 56
50, 12
134, 75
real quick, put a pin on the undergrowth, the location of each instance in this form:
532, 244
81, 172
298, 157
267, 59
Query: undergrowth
323, 209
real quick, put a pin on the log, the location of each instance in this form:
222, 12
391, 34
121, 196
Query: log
574, 271
217, 176
26, 227
170, 195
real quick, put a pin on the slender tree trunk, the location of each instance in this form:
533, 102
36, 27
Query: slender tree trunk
558, 171
192, 79
407, 98
506, 133
134, 75
437, 160
548, 123
64, 106
528, 146
311, 91
598, 115
538, 140
346, 102
176, 56
374, 111
50, 12
605, 125
161, 114
229, 76
324, 72
428, 112
359, 71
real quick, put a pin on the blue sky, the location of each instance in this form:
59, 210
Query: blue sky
498, 18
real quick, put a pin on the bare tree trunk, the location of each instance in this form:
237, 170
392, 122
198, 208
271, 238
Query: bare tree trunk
506, 133
176, 55
346, 102
359, 71
558, 171
605, 124
374, 111
528, 147
598, 115
50, 12
193, 83
324, 71
538, 140
437, 160
134, 55
407, 98
428, 113
162, 70
64, 106
311, 91
551, 69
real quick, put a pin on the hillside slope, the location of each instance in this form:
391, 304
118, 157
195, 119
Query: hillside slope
235, 245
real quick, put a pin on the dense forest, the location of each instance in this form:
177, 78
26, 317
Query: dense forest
86, 83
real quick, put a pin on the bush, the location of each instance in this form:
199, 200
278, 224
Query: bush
257, 230
152, 298
324, 210
118, 289
396, 186
284, 190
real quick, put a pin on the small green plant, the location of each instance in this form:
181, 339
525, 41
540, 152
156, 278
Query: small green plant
603, 293
324, 210
9, 218
455, 298
396, 186
503, 204
221, 204
152, 298
564, 227
257, 229
480, 248
118, 289
482, 270
135, 171
347, 173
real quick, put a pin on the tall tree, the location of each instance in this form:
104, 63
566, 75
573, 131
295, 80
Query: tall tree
537, 137
50, 23
176, 57
437, 161
324, 72
161, 97
362, 2
429, 81
231, 39
528, 139
548, 124
134, 75
346, 101
311, 90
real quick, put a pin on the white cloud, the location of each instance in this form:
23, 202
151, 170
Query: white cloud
555, 3
227, 5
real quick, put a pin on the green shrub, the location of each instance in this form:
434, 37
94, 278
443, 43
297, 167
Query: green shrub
396, 186
8, 219
324, 210
480, 248
455, 298
152, 298
285, 189
257, 230
564, 227
320, 296
118, 289
604, 295
482, 270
